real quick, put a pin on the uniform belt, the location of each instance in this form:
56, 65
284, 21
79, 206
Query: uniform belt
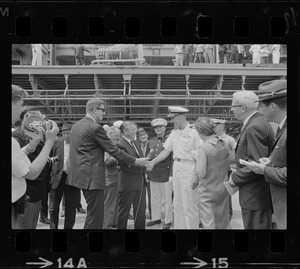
182, 160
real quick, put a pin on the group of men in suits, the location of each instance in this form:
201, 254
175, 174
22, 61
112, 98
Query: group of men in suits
262, 181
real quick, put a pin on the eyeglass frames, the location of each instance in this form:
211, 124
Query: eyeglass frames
100, 108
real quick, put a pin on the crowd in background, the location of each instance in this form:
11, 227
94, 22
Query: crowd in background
226, 53
117, 167
184, 53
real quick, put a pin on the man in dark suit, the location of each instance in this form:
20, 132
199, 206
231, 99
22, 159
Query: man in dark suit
255, 142
60, 171
88, 144
132, 180
272, 103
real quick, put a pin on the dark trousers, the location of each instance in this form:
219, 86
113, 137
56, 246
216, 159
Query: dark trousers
55, 199
257, 219
221, 56
149, 198
110, 206
240, 58
44, 204
95, 209
29, 219
230, 200
70, 206
77, 199
70, 193
126, 199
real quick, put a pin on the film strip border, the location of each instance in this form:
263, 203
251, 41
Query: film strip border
153, 22
165, 22
217, 249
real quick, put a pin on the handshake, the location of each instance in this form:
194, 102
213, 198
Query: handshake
144, 162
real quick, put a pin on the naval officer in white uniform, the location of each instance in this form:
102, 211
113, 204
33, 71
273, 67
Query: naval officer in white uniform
184, 142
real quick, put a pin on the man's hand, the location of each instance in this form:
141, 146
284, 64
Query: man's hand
35, 137
195, 183
264, 161
257, 168
51, 133
231, 183
150, 166
141, 161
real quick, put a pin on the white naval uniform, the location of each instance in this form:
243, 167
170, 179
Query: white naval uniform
184, 144
37, 54
276, 54
255, 56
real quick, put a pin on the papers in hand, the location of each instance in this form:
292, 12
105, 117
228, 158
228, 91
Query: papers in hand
244, 162
230, 189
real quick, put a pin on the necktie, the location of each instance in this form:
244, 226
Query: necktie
132, 144
277, 133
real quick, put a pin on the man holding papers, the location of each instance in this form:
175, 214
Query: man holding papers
272, 103
255, 141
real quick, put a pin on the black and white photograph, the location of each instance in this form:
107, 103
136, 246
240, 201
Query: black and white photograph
149, 136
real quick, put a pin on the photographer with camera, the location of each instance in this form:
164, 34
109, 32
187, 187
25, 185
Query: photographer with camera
22, 167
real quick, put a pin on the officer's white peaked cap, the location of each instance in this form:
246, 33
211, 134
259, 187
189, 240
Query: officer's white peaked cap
176, 110
159, 122
117, 123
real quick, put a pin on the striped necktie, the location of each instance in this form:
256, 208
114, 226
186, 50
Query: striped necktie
132, 144
277, 133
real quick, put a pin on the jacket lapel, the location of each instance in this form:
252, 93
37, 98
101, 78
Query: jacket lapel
129, 147
245, 127
280, 134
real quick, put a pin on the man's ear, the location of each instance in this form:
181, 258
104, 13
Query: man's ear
272, 106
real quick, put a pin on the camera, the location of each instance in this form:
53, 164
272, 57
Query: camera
34, 119
52, 159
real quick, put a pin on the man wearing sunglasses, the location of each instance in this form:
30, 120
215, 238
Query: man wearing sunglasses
88, 142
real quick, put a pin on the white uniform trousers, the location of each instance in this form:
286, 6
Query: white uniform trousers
37, 57
256, 58
186, 214
179, 59
161, 194
276, 57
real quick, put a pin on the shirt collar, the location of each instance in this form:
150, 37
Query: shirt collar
212, 140
282, 122
127, 139
89, 116
248, 118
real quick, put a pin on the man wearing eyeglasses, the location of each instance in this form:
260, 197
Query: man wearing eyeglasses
88, 142
255, 142
273, 105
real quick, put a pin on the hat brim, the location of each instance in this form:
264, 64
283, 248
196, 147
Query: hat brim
172, 115
269, 98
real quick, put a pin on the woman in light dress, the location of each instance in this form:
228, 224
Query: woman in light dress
212, 168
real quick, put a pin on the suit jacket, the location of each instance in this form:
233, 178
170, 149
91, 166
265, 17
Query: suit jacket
88, 144
255, 141
131, 178
276, 175
162, 170
57, 167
